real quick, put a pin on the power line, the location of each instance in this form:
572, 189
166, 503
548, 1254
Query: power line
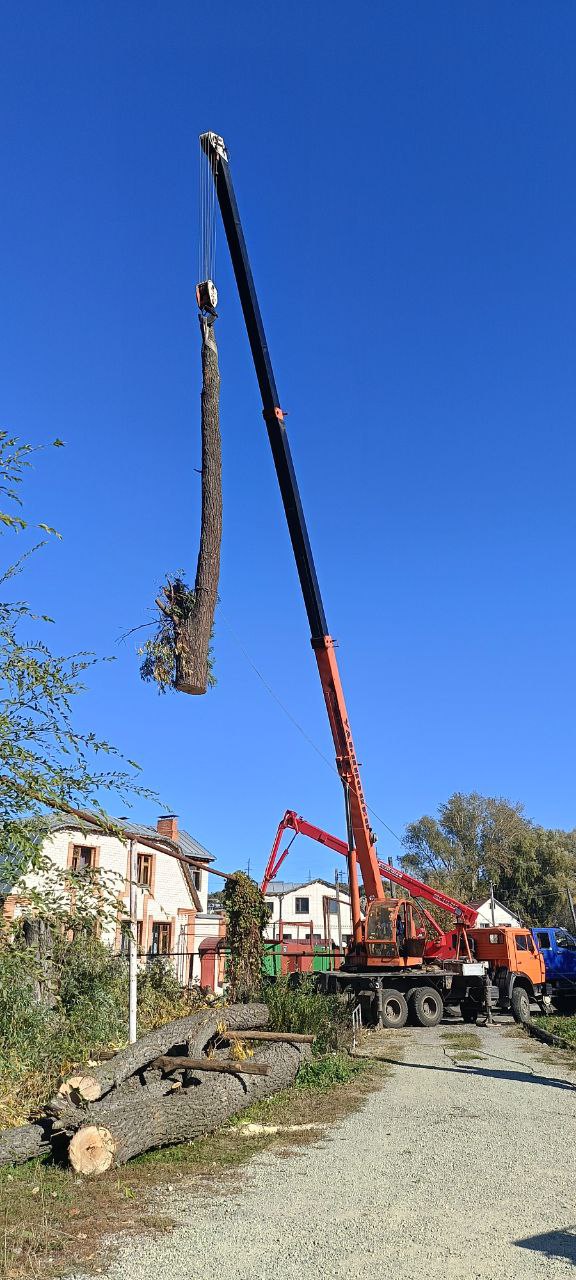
295, 722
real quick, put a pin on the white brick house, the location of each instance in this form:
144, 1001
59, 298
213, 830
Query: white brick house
166, 896
299, 910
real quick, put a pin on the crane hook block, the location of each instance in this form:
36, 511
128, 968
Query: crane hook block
207, 296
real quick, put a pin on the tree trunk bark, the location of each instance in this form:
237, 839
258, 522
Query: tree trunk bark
38, 936
183, 1115
193, 632
26, 1143
193, 1032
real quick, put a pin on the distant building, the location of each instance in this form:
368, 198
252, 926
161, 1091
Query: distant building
301, 910
501, 914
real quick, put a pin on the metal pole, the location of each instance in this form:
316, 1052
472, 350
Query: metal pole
338, 912
493, 914
392, 885
133, 945
571, 905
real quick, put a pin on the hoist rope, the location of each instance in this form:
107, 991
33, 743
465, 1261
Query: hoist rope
207, 215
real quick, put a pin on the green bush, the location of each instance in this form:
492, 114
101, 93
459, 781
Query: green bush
300, 1008
322, 1073
89, 1010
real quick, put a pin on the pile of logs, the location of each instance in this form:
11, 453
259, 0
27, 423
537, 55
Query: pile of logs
172, 1085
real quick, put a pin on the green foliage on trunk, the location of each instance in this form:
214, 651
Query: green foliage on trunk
159, 653
247, 915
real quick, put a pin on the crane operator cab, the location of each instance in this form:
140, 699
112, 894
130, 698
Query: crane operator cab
394, 932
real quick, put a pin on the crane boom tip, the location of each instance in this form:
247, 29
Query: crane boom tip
213, 142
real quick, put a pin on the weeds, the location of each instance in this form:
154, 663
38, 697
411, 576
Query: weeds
300, 1008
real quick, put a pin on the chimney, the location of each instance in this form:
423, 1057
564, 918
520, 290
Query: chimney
168, 826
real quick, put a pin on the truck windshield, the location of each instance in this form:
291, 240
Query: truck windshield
565, 940
380, 923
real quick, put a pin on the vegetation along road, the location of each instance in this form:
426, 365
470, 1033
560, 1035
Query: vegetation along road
460, 1165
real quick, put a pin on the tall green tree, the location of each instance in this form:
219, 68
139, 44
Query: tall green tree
476, 841
45, 760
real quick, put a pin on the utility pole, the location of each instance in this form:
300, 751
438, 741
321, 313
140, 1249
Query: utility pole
492, 912
392, 885
133, 944
338, 911
571, 905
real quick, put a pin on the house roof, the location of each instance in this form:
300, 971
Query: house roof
476, 906
277, 888
188, 845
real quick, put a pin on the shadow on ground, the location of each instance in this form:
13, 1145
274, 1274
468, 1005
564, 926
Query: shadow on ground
554, 1244
489, 1073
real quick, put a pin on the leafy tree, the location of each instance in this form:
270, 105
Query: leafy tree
45, 761
463, 849
480, 840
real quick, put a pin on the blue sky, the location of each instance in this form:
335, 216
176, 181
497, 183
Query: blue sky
406, 174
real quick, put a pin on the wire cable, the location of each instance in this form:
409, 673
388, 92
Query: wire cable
295, 722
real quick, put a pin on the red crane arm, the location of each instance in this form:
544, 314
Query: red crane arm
417, 888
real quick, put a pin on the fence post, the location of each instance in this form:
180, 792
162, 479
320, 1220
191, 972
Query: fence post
133, 945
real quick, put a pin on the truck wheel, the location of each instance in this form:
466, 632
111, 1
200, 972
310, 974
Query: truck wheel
469, 1011
520, 1004
428, 1006
394, 1009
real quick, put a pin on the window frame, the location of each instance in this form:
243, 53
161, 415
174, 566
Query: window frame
300, 910
147, 859
78, 849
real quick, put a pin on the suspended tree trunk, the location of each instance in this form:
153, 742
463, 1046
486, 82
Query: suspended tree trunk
193, 616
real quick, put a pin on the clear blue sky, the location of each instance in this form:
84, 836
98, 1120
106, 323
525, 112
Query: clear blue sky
406, 174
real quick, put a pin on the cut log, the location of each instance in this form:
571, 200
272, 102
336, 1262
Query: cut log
25, 1143
92, 1150
182, 1115
193, 1032
280, 1037
232, 1066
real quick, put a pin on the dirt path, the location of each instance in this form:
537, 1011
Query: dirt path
455, 1170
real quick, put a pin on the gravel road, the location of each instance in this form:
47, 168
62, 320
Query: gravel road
451, 1172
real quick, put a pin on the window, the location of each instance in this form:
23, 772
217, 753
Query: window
126, 933
544, 941
302, 906
197, 879
564, 940
83, 857
521, 942
144, 872
496, 938
161, 938
333, 906
316, 937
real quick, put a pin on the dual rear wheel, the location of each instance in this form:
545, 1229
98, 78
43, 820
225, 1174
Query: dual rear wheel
425, 1004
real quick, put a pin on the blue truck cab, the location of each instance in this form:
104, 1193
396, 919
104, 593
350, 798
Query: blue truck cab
558, 948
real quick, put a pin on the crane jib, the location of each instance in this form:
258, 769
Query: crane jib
363, 843
272, 412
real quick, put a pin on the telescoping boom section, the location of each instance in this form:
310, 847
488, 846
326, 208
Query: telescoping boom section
412, 932
361, 843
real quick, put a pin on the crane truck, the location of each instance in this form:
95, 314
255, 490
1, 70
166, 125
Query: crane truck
382, 973
513, 972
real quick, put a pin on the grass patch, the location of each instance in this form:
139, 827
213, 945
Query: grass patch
461, 1040
559, 1025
